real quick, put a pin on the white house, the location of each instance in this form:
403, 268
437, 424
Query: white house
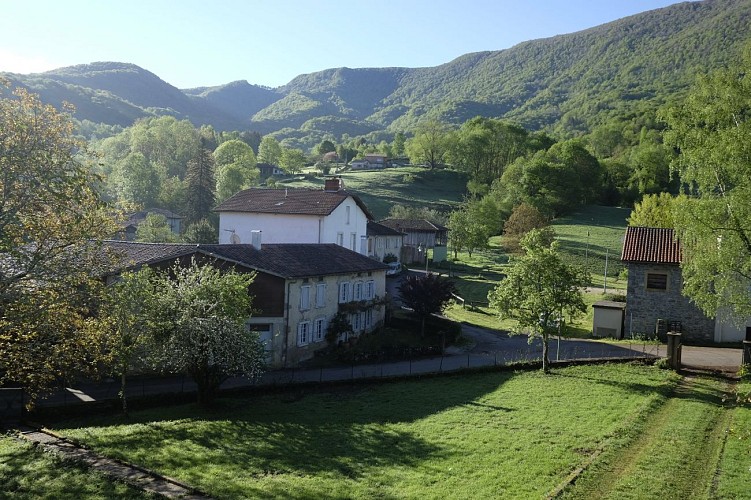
383, 240
331, 215
297, 290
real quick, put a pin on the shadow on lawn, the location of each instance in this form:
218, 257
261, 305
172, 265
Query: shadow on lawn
26, 472
340, 433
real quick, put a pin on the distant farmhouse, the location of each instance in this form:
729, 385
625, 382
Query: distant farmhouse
370, 161
267, 170
654, 299
298, 288
128, 228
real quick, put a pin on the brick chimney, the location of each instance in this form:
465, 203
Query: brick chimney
333, 184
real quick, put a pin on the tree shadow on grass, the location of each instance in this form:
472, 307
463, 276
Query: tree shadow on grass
26, 472
339, 435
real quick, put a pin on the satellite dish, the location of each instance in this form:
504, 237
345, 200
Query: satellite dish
234, 239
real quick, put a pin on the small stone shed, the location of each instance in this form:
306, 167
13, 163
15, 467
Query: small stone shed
608, 319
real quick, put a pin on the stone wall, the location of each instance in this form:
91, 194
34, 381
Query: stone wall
644, 306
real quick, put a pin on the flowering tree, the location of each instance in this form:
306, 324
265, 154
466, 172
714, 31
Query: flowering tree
200, 328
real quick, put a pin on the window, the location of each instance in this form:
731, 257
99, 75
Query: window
320, 294
343, 292
304, 297
368, 318
358, 291
354, 320
369, 292
657, 281
353, 242
303, 333
347, 209
319, 329
340, 239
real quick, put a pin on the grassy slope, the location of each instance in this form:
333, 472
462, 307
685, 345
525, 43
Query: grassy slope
495, 435
26, 472
441, 190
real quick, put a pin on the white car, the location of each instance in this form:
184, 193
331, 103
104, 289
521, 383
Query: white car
394, 268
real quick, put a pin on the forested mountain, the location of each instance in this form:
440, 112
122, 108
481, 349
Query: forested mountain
567, 84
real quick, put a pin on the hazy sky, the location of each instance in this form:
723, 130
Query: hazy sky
191, 43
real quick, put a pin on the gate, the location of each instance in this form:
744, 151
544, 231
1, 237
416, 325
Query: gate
11, 404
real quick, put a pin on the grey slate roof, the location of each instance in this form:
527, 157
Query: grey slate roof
651, 245
288, 201
376, 229
287, 260
413, 225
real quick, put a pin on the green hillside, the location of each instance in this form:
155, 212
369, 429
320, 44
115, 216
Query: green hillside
441, 190
566, 84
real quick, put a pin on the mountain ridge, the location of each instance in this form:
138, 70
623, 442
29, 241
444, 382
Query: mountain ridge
566, 83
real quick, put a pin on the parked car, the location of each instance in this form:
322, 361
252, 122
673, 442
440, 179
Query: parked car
394, 268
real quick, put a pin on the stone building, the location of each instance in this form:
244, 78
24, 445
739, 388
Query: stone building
654, 299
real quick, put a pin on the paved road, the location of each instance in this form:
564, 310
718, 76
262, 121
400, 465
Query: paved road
485, 348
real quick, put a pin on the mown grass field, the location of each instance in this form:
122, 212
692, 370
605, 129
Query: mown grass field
637, 432
29, 473
441, 190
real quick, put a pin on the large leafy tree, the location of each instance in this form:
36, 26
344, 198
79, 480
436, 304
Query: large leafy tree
126, 316
201, 326
292, 160
539, 290
712, 130
431, 143
485, 146
426, 295
49, 213
236, 168
269, 151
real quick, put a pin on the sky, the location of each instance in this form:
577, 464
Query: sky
191, 43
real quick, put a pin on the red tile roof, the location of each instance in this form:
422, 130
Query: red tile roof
288, 201
651, 244
412, 225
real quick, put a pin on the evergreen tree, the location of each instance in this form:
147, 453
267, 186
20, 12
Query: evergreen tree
200, 197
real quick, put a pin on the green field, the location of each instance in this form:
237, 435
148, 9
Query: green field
590, 235
635, 431
441, 190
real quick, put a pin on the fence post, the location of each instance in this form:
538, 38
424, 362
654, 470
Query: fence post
746, 352
674, 350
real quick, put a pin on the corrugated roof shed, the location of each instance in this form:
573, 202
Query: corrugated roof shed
651, 244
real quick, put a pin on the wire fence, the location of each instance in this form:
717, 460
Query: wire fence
109, 390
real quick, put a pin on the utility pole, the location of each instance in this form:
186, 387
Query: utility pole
605, 283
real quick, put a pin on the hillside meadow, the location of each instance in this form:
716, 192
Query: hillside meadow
475, 435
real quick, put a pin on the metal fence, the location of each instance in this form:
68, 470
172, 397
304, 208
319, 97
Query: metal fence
136, 387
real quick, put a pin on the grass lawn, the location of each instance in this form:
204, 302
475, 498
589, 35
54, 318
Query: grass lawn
26, 472
589, 235
676, 455
441, 190
492, 435
734, 474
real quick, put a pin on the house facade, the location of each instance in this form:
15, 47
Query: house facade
654, 299
383, 241
297, 290
420, 235
331, 215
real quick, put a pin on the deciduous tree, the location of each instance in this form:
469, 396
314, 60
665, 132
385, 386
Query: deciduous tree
49, 213
426, 295
712, 130
201, 327
538, 291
